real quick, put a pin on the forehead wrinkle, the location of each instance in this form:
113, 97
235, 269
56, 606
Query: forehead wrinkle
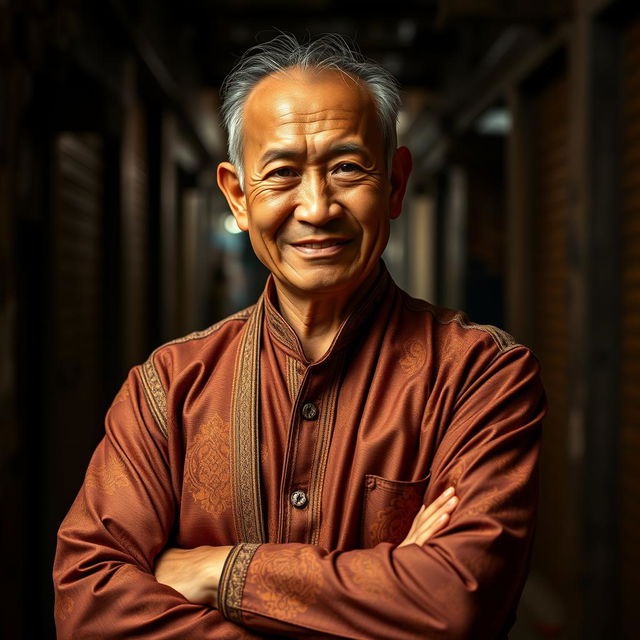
315, 120
316, 127
301, 126
320, 114
302, 116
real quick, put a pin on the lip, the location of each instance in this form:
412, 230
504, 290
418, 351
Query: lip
320, 247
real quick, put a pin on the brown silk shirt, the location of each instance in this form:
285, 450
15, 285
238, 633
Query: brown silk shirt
314, 471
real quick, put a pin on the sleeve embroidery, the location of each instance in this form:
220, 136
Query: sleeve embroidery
232, 581
155, 394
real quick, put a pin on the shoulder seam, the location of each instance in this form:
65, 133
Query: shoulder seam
503, 340
154, 392
198, 335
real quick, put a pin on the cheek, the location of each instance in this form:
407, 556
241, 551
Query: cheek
366, 199
269, 215
263, 247
369, 209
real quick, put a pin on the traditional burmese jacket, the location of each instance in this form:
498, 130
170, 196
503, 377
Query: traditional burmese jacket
314, 471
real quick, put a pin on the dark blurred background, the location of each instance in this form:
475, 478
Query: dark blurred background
524, 209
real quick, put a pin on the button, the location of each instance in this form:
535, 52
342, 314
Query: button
299, 499
309, 411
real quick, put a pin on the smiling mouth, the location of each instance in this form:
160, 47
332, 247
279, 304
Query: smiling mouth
320, 244
325, 247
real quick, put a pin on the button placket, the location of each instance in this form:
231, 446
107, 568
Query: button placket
299, 460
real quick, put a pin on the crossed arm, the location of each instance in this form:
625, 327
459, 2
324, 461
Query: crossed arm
195, 573
448, 578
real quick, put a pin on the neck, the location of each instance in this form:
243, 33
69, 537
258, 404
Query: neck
317, 319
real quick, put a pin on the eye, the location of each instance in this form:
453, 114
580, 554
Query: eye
347, 168
283, 172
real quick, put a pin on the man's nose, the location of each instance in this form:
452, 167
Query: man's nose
315, 203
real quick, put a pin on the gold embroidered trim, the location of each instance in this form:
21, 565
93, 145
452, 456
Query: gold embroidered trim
282, 331
196, 335
321, 451
293, 378
155, 394
504, 340
245, 455
231, 586
151, 384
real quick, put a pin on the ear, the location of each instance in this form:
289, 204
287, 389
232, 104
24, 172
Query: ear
400, 170
229, 184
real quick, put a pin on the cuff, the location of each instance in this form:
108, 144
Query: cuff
231, 585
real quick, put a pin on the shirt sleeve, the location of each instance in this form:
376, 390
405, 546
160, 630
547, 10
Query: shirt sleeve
121, 519
464, 582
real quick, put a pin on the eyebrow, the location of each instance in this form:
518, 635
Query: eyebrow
291, 154
279, 154
347, 147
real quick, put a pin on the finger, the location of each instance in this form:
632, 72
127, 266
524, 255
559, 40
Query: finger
427, 526
420, 537
440, 500
428, 514
426, 519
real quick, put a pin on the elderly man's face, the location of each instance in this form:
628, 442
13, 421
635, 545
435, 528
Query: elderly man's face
317, 195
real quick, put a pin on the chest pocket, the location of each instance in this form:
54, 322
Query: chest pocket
389, 508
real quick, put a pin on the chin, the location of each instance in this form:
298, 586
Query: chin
327, 283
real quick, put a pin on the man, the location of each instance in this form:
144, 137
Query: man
268, 476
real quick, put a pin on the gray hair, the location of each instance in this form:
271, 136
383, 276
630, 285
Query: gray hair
329, 51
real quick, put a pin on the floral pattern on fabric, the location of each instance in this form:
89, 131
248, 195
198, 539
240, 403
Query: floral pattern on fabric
368, 574
414, 355
208, 467
109, 477
392, 523
288, 582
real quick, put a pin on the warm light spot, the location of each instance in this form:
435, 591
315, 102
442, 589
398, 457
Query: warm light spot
230, 225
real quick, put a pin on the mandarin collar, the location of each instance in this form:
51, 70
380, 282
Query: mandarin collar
366, 307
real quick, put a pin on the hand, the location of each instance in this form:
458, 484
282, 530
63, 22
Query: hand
195, 573
431, 519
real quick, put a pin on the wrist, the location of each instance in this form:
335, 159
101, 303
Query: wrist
212, 572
